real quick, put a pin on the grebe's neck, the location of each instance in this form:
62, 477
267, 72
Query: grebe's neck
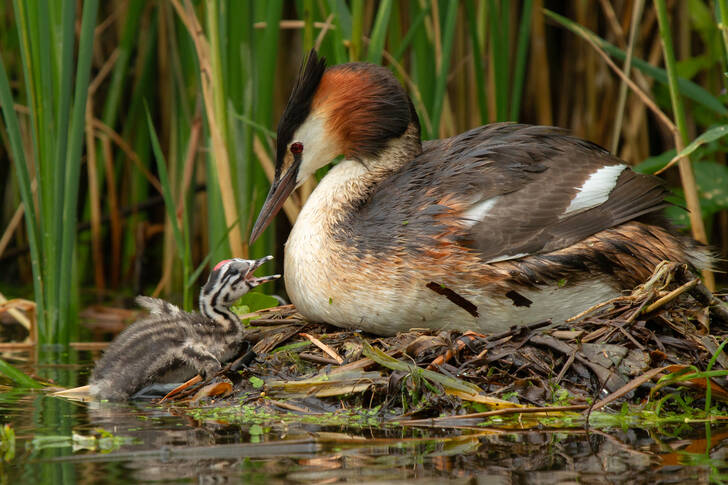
353, 181
213, 307
316, 260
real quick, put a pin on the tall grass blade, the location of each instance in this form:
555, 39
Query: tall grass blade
499, 48
475, 43
169, 203
73, 164
379, 32
686, 87
519, 72
12, 126
441, 82
357, 29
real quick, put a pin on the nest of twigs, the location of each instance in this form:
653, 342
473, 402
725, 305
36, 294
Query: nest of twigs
614, 351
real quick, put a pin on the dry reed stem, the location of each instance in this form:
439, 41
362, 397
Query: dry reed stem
436, 34
9, 306
103, 72
114, 211
118, 140
101, 27
613, 22
633, 384
220, 153
622, 97
497, 412
671, 296
94, 198
324, 29
189, 164
294, 25
12, 226
128, 151
644, 97
328, 350
539, 65
168, 259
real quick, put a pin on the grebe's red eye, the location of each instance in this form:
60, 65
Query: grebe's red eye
296, 147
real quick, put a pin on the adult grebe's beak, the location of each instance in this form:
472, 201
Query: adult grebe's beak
279, 191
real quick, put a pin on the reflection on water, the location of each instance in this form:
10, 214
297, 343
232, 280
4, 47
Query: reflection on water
59, 441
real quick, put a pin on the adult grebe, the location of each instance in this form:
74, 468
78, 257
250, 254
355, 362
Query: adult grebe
507, 223
171, 345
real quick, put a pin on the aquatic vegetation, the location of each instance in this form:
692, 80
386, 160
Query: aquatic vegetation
7, 443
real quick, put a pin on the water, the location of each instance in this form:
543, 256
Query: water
61, 441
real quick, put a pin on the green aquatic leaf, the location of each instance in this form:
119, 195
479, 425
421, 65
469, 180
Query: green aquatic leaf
257, 382
17, 376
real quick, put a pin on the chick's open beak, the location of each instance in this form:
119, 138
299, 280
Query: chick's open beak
255, 281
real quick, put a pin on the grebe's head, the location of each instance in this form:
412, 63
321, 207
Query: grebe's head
351, 109
230, 279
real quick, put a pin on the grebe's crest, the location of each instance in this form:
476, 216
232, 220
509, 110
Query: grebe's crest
350, 109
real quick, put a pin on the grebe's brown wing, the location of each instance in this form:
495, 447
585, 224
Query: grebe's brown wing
508, 190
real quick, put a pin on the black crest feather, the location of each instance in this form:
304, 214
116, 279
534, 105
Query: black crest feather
299, 103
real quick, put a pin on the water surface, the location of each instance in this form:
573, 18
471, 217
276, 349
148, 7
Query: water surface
61, 441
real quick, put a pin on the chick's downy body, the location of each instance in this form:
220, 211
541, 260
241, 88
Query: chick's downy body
171, 345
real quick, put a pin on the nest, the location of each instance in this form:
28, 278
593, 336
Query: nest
617, 351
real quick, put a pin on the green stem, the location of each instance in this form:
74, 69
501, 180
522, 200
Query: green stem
307, 25
357, 29
687, 176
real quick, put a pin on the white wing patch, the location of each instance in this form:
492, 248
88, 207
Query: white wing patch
507, 257
477, 211
596, 189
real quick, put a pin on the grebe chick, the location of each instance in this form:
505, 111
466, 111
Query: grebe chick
171, 345
520, 222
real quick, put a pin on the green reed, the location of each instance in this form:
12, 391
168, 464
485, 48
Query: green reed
55, 89
463, 63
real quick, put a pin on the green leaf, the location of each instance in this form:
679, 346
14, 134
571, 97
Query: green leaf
258, 301
17, 376
712, 180
391, 363
653, 164
710, 135
257, 382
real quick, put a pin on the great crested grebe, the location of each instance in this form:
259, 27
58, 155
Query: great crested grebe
507, 223
171, 345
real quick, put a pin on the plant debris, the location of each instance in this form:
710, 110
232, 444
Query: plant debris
665, 335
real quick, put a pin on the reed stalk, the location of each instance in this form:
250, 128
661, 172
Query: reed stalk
57, 109
687, 177
216, 75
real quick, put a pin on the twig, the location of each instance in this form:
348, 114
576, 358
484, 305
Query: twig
671, 296
497, 412
633, 384
331, 352
622, 99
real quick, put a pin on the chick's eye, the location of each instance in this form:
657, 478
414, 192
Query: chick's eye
296, 147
